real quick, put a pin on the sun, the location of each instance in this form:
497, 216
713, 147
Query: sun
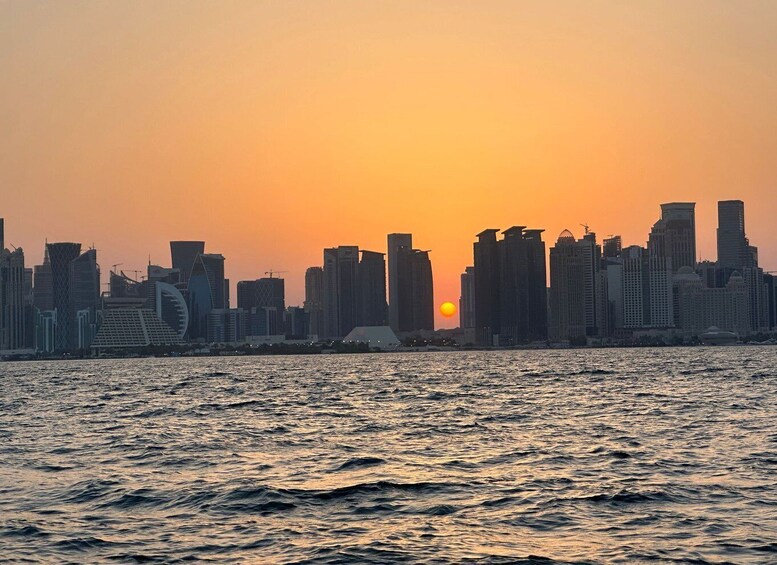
447, 309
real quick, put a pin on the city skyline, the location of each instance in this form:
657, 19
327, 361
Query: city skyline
295, 281
273, 131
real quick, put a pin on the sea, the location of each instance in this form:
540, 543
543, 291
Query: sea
662, 455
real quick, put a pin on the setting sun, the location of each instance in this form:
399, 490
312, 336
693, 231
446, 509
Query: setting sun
447, 309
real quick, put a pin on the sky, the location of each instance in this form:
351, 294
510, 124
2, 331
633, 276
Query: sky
274, 129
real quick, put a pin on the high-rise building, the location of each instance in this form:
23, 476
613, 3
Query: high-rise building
295, 323
674, 235
487, 286
648, 300
568, 288
84, 299
421, 294
60, 256
733, 247
170, 306
184, 254
265, 303
341, 296
13, 319
701, 307
2, 234
207, 291
510, 287
396, 242
522, 286
371, 282
467, 299
227, 325
611, 247
314, 301
414, 299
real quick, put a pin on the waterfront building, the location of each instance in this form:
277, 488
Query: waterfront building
60, 256
184, 254
13, 316
467, 299
227, 325
510, 287
371, 282
341, 296
701, 307
733, 246
171, 307
314, 301
611, 247
648, 300
396, 242
295, 323
207, 291
84, 299
674, 235
132, 328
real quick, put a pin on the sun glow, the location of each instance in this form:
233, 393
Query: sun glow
447, 309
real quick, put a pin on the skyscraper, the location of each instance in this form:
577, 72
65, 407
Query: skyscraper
207, 291
13, 330
341, 296
183, 254
733, 246
467, 299
84, 299
522, 287
611, 247
567, 289
422, 292
648, 300
2, 234
371, 275
487, 285
60, 256
674, 235
265, 303
314, 300
510, 287
396, 242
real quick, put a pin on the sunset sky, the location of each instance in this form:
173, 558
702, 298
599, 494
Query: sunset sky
274, 129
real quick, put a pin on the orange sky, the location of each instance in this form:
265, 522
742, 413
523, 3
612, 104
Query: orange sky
274, 129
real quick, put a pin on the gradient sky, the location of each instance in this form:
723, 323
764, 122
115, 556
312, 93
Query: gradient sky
274, 129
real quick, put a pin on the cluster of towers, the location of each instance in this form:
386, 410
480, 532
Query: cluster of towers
58, 307
610, 291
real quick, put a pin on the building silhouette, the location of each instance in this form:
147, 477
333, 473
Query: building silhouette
84, 299
184, 254
568, 289
674, 235
396, 242
314, 301
371, 282
733, 246
467, 299
510, 287
341, 294
264, 302
207, 291
14, 317
60, 256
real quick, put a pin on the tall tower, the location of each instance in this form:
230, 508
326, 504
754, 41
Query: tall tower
396, 242
183, 255
207, 291
733, 246
13, 330
467, 299
314, 300
84, 299
373, 310
60, 256
341, 297
674, 235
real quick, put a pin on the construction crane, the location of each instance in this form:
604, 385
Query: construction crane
113, 267
271, 272
585, 227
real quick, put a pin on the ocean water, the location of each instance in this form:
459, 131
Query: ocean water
586, 456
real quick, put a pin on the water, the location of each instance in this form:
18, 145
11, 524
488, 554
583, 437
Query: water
572, 456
